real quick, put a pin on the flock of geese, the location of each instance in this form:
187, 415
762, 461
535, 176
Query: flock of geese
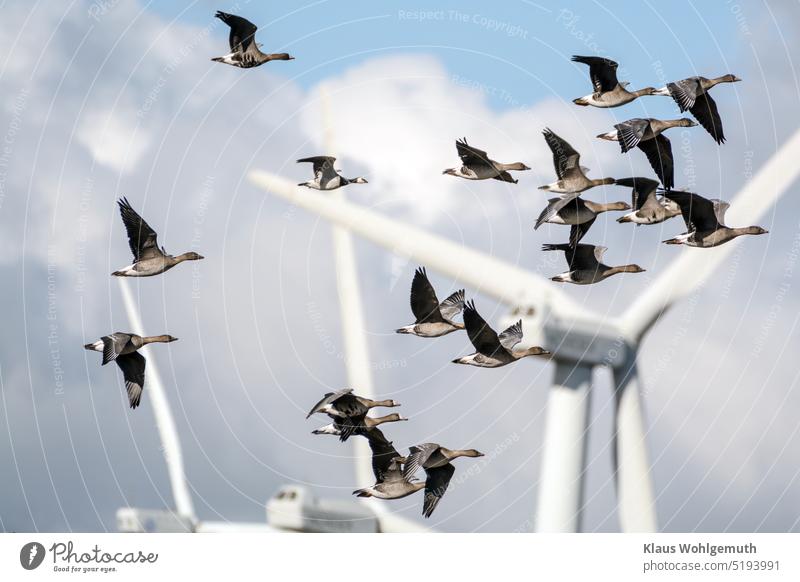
650, 204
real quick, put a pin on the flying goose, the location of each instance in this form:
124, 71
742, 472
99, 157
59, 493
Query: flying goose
692, 95
434, 319
367, 424
646, 134
608, 92
571, 176
387, 465
584, 263
705, 222
325, 176
478, 166
123, 348
148, 259
245, 51
573, 210
647, 209
491, 350
348, 410
435, 460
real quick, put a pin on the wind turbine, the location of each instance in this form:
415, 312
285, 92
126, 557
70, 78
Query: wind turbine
581, 339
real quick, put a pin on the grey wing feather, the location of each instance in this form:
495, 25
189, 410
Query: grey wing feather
453, 305
631, 133
417, 457
511, 336
329, 398
555, 205
435, 487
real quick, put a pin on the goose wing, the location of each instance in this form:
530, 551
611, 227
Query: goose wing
505, 177
565, 159
685, 92
511, 336
323, 167
471, 156
705, 111
720, 208
453, 305
384, 465
329, 398
142, 239
659, 153
435, 486
642, 189
631, 133
698, 212
243, 32
483, 337
602, 71
113, 344
579, 257
578, 231
417, 457
132, 366
424, 303
554, 206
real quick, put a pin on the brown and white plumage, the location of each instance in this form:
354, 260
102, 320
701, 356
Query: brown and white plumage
433, 319
244, 48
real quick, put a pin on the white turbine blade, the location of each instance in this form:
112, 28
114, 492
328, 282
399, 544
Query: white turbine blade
505, 282
165, 424
695, 266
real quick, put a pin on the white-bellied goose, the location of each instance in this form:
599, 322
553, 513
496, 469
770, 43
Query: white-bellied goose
567, 162
122, 348
692, 95
348, 409
647, 209
435, 460
608, 92
585, 266
478, 166
434, 319
387, 465
148, 259
646, 134
573, 210
245, 51
339, 426
325, 176
705, 222
491, 350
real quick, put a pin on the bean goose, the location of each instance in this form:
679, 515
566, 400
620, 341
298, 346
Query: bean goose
338, 428
646, 134
387, 465
148, 259
585, 266
433, 319
435, 460
577, 212
245, 51
476, 165
692, 95
348, 410
705, 222
122, 348
491, 350
608, 92
647, 209
325, 176
571, 176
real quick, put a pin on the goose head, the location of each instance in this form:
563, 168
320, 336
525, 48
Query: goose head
730, 78
686, 122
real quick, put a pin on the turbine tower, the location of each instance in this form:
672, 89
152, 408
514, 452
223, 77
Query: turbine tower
580, 339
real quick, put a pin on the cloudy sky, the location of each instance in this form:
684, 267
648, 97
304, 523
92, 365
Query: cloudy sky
116, 98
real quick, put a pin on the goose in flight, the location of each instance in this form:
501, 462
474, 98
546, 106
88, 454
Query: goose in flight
387, 465
571, 176
325, 176
647, 209
363, 426
608, 92
705, 222
435, 460
122, 348
491, 350
646, 134
348, 410
148, 259
692, 95
433, 319
573, 210
478, 166
585, 266
245, 51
